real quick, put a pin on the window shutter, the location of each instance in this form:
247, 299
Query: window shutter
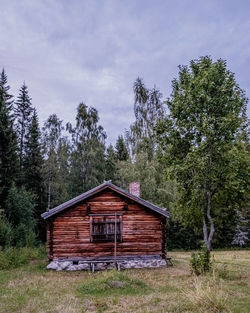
103, 228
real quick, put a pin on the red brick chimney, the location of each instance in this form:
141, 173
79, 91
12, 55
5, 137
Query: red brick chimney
134, 188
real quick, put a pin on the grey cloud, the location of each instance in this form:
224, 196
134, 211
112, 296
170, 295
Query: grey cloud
92, 51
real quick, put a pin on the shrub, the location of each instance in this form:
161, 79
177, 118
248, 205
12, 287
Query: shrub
23, 236
20, 210
6, 232
20, 213
14, 257
200, 261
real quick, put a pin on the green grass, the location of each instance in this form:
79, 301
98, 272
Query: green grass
29, 287
110, 283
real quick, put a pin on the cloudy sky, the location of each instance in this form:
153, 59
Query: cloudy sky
69, 51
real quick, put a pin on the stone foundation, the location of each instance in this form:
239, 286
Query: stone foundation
98, 265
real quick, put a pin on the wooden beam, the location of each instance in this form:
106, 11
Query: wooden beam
105, 214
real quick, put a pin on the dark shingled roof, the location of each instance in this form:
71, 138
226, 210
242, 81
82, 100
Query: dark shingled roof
105, 185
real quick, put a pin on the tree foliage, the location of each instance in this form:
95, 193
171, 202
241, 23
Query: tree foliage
241, 235
202, 141
7, 97
8, 142
153, 186
200, 146
111, 164
20, 213
33, 179
55, 168
6, 231
88, 150
148, 109
33, 157
121, 150
23, 113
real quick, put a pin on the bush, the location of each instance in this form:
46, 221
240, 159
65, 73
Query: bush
23, 236
200, 261
15, 257
6, 232
20, 213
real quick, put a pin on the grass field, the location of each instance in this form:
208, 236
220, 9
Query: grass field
31, 288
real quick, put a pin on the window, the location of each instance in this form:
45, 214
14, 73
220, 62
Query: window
104, 228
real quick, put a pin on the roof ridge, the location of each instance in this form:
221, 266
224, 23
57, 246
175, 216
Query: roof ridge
96, 189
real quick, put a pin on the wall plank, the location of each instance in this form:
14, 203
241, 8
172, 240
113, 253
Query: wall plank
68, 233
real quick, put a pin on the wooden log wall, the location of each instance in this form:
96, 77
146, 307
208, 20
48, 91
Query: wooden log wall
68, 233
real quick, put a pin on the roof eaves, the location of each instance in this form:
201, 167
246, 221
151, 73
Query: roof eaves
91, 192
73, 201
142, 201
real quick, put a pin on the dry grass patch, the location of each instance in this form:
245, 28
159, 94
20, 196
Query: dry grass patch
207, 295
33, 289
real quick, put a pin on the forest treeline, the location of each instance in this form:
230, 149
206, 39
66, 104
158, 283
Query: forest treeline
42, 166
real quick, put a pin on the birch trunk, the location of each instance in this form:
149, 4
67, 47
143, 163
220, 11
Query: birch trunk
208, 223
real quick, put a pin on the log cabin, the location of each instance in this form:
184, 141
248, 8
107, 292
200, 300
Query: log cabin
106, 227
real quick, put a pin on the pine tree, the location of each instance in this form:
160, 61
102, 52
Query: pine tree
23, 112
8, 144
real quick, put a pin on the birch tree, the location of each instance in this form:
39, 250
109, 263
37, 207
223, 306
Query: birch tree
52, 135
202, 142
148, 109
88, 150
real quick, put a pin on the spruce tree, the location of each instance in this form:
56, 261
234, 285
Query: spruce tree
111, 164
8, 98
241, 233
8, 144
33, 156
23, 112
121, 151
33, 161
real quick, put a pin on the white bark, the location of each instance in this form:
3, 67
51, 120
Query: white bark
208, 230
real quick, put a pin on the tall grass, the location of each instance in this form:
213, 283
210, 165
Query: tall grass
208, 296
